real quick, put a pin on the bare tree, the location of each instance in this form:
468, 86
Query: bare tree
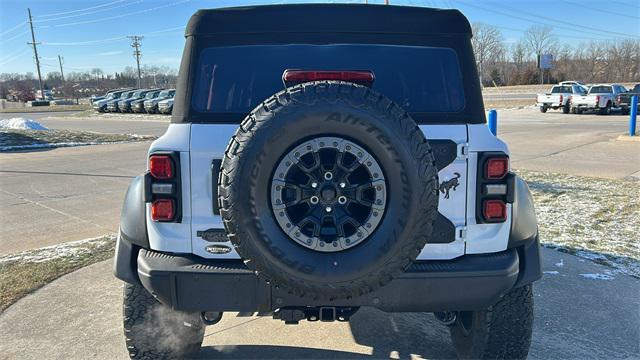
519, 54
592, 59
539, 39
487, 45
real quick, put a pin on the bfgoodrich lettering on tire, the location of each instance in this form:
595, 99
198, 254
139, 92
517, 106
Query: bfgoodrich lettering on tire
328, 190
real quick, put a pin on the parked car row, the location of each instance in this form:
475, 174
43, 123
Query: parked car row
129, 100
575, 97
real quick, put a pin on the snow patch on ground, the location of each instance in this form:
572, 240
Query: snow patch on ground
20, 124
64, 250
597, 276
61, 144
551, 272
594, 219
560, 264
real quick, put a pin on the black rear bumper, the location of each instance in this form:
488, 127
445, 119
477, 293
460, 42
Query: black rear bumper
188, 282
471, 282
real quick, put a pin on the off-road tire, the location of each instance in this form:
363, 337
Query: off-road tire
566, 108
503, 331
543, 109
328, 108
155, 331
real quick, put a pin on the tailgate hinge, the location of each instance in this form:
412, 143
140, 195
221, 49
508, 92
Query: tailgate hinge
461, 233
463, 150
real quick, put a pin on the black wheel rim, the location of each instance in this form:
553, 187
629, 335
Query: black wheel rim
328, 194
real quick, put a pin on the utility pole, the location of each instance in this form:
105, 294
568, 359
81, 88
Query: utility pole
135, 44
35, 51
61, 72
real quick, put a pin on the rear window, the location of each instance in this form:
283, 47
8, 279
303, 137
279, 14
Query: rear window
600, 90
561, 90
236, 79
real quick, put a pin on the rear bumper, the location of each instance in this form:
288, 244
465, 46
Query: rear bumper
188, 282
471, 282
549, 104
586, 106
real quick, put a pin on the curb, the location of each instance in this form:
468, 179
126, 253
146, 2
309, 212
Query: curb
628, 138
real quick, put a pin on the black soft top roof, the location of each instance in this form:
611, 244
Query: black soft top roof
334, 18
322, 24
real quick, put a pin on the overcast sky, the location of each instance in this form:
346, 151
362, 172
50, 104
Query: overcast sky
90, 33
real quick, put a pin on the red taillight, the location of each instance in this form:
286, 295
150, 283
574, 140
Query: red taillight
496, 168
494, 210
298, 76
618, 100
561, 98
162, 210
597, 99
161, 166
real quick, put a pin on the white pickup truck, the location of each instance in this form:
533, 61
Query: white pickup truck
601, 98
559, 97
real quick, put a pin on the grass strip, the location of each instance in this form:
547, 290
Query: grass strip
13, 140
23, 273
53, 108
592, 218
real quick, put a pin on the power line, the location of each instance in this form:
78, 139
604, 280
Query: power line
12, 29
35, 51
82, 43
135, 44
119, 16
600, 10
15, 36
563, 35
566, 22
495, 11
80, 10
89, 13
122, 37
14, 56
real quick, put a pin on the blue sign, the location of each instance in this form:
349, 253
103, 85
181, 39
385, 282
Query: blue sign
546, 61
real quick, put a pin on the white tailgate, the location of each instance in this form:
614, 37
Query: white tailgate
209, 141
453, 208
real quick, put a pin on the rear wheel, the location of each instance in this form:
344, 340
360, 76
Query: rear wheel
543, 109
155, 331
566, 108
605, 110
503, 331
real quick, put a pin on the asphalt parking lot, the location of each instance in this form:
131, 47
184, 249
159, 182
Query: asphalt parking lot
578, 315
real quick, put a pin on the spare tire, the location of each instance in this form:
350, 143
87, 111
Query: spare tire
328, 190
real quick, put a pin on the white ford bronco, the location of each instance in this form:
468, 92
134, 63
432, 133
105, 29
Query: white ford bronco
316, 167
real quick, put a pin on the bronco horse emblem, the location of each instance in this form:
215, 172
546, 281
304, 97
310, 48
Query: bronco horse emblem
450, 185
